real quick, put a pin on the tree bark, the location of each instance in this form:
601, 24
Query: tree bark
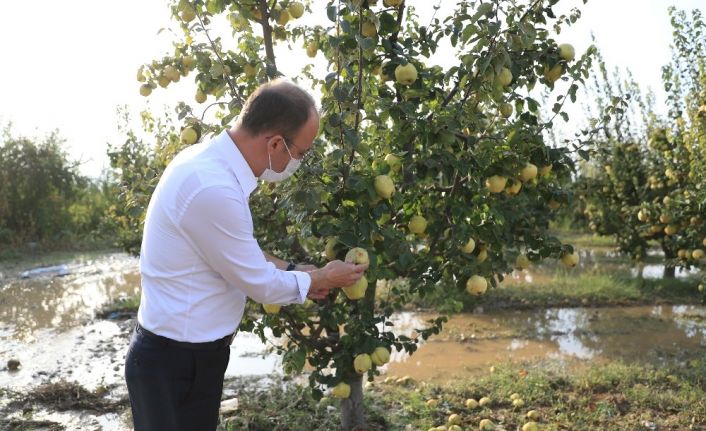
352, 411
669, 254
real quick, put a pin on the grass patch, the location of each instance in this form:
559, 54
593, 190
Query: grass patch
616, 396
62, 396
27, 425
122, 308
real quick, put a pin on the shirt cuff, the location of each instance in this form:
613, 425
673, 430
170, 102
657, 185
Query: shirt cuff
303, 282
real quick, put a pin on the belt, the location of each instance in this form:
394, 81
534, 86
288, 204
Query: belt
209, 345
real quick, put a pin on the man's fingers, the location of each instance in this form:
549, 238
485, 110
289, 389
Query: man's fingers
361, 268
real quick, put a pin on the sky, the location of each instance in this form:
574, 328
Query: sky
69, 65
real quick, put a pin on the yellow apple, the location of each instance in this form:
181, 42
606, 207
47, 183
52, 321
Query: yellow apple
358, 256
682, 254
283, 17
642, 215
514, 188
570, 259
368, 29
454, 419
554, 73
141, 76
518, 402
522, 262
454, 428
171, 73
145, 90
482, 255
380, 356
200, 96
249, 70
469, 246
392, 3
704, 241
330, 249
506, 110
356, 290
504, 77
188, 14
567, 52
671, 229
701, 288
476, 285
189, 136
296, 9
553, 205
163, 81
533, 415
545, 170
698, 254
486, 425
665, 218
312, 47
530, 426
188, 61
432, 402
471, 403
394, 162
528, 172
341, 390
496, 183
514, 396
417, 224
406, 75
271, 308
384, 186
483, 402
362, 363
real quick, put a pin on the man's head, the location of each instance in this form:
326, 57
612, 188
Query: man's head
281, 122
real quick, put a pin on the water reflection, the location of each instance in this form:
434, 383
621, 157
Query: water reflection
64, 302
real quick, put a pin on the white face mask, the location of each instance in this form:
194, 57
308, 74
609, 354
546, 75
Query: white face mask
270, 176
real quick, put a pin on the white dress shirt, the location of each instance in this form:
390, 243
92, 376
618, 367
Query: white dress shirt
199, 260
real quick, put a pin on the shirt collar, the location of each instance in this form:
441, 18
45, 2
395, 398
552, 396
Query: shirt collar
236, 161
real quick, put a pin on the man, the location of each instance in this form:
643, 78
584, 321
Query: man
200, 262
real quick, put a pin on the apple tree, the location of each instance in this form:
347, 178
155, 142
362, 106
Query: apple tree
639, 187
438, 174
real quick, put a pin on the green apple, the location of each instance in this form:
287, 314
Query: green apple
141, 76
384, 186
283, 17
471, 403
567, 52
394, 162
271, 308
341, 390
406, 75
250, 70
392, 3
362, 363
312, 47
368, 29
188, 14
514, 188
296, 9
484, 402
380, 356
506, 110
163, 81
356, 290
189, 136
200, 96
454, 419
476, 285
486, 425
145, 90
545, 170
530, 426
504, 77
171, 73
519, 402
533, 415
496, 183
417, 224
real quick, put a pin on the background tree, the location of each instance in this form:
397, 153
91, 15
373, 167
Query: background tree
640, 187
440, 174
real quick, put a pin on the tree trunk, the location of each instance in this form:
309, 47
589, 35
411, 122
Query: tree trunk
669, 255
352, 411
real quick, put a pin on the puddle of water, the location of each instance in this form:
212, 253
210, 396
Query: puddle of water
64, 302
470, 343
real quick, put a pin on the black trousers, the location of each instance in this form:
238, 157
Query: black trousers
175, 386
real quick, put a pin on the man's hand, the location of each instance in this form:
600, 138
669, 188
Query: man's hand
335, 274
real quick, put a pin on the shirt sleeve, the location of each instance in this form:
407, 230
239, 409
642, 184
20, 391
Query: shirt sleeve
218, 224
